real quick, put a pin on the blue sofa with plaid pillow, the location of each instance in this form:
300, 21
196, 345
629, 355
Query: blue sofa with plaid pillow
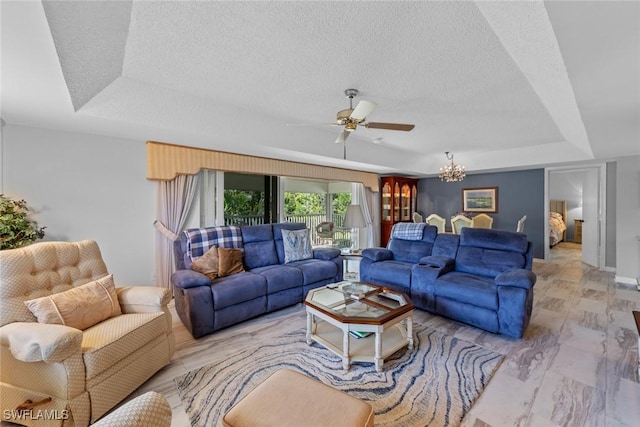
279, 268
481, 277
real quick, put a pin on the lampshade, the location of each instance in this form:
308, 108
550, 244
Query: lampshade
354, 217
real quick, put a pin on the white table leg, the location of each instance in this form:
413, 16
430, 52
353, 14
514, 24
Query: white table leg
346, 363
410, 331
309, 326
378, 355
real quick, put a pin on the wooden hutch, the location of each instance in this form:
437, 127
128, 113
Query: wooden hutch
399, 200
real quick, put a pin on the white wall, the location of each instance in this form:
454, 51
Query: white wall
628, 219
87, 187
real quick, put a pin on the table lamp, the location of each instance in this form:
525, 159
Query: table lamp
354, 219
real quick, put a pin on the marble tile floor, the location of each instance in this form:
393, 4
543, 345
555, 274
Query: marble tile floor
576, 365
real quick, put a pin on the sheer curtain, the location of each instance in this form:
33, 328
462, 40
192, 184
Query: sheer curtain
173, 202
368, 201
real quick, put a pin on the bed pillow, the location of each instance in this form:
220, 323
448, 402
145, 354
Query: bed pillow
80, 307
297, 245
230, 261
208, 263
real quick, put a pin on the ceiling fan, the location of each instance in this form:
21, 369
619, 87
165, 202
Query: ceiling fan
351, 118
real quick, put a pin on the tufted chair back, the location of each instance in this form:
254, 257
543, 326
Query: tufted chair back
42, 269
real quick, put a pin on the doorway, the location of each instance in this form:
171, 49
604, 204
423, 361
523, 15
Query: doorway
584, 189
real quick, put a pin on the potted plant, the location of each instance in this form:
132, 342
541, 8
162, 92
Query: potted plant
16, 228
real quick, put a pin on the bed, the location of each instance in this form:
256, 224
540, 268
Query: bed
557, 221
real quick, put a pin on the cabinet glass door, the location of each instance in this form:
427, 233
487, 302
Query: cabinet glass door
405, 200
386, 202
414, 200
396, 203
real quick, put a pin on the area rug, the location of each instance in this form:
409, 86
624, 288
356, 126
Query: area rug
435, 384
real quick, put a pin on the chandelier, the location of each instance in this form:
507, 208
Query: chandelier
451, 172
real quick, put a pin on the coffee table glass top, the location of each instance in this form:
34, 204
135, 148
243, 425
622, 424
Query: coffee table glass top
358, 301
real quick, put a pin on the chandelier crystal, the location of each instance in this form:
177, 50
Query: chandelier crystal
451, 172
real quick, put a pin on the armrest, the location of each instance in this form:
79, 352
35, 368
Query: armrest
186, 279
41, 342
326, 254
377, 254
143, 299
437, 261
520, 278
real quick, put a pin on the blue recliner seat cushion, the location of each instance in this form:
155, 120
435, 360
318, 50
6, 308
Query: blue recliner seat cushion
259, 247
280, 277
487, 262
412, 250
394, 273
237, 288
501, 240
315, 270
468, 288
489, 252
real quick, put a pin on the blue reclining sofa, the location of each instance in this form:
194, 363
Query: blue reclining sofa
267, 284
481, 277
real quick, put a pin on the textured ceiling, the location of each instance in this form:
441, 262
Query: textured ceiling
501, 84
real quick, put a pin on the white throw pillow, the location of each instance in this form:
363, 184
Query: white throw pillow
297, 245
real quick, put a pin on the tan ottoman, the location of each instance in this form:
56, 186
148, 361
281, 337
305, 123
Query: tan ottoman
288, 398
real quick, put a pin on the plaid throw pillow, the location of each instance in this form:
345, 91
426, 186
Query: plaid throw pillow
200, 240
408, 230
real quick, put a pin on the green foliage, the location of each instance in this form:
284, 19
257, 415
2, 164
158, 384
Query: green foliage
304, 203
340, 202
239, 202
248, 203
16, 229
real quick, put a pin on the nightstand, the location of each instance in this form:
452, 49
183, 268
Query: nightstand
577, 230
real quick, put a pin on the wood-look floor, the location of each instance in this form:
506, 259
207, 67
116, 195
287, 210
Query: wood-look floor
576, 365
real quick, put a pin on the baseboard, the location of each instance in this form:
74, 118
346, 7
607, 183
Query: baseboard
628, 281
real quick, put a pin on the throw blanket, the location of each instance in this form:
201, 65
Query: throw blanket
200, 240
408, 230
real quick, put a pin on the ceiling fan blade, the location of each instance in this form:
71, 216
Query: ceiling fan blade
363, 109
342, 137
311, 124
389, 126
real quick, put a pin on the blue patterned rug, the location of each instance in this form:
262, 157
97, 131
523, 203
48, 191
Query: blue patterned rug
435, 384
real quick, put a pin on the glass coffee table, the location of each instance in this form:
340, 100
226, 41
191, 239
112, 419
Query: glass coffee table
360, 322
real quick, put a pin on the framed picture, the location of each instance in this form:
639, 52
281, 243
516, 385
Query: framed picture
480, 199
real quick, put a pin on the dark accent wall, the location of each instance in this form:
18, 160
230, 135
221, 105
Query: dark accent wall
519, 193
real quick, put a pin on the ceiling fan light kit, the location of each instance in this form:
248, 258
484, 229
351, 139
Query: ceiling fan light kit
351, 117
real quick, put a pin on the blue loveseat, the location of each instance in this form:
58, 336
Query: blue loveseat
267, 284
481, 277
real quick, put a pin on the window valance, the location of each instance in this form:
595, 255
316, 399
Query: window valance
166, 161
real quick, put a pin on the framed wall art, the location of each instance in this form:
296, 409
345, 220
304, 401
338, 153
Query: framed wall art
480, 199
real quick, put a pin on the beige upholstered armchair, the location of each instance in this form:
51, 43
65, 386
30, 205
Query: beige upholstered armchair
148, 410
70, 341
